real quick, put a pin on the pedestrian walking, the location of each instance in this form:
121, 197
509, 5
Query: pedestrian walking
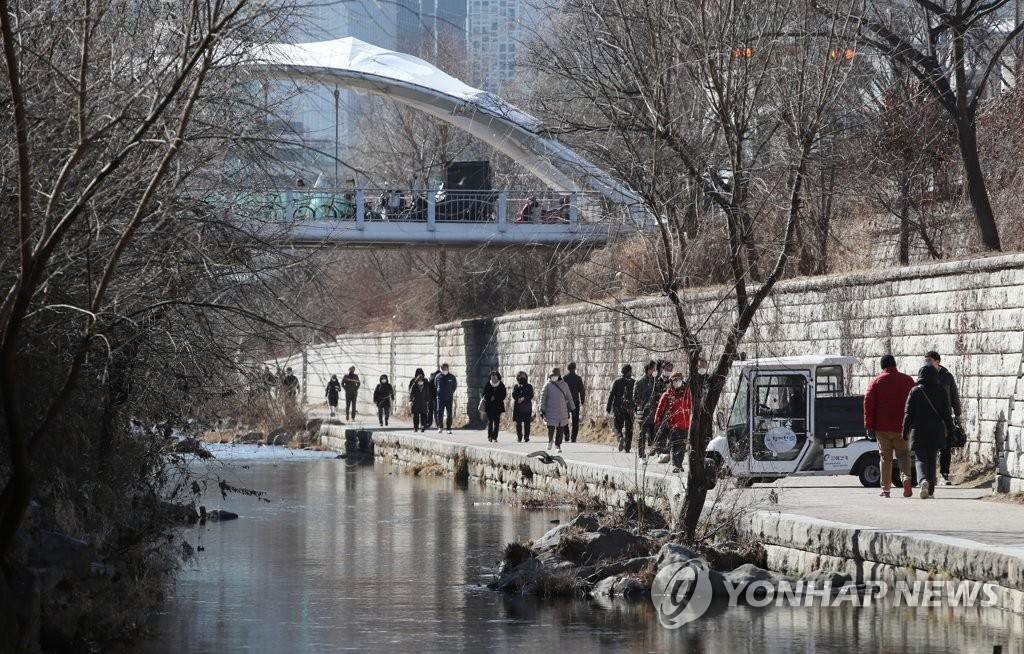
645, 402
383, 396
419, 402
661, 431
926, 422
948, 384
351, 384
674, 409
579, 395
492, 398
290, 383
444, 390
333, 392
884, 406
556, 408
522, 406
620, 406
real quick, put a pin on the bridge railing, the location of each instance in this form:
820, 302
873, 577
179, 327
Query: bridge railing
506, 209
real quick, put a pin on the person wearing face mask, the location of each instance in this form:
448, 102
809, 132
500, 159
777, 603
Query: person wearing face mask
674, 408
444, 389
645, 401
383, 396
419, 402
556, 406
522, 407
661, 436
620, 405
493, 396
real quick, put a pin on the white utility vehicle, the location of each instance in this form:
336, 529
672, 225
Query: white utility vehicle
792, 417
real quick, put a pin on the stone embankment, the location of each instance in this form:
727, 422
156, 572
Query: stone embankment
794, 544
971, 311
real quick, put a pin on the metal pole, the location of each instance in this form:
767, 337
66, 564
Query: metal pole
335, 137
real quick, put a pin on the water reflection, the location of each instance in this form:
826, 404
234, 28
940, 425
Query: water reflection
355, 558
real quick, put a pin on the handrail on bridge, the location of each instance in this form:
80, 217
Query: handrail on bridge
362, 205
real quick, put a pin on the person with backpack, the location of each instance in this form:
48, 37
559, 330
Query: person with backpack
927, 420
620, 405
522, 407
333, 392
674, 408
383, 396
556, 407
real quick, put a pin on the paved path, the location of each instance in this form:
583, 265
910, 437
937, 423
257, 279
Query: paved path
956, 512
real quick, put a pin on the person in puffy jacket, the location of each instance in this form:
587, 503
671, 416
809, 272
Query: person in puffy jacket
493, 395
674, 408
383, 396
884, 405
522, 406
926, 421
419, 402
556, 407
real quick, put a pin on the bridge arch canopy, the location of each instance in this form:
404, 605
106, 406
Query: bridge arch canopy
357, 65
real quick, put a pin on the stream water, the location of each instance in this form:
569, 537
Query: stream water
370, 559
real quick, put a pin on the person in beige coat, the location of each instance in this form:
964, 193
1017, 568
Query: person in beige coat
556, 407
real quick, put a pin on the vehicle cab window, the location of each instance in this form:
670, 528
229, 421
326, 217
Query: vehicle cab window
828, 381
780, 416
738, 427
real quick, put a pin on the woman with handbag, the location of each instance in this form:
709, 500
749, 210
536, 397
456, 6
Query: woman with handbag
928, 423
556, 407
492, 400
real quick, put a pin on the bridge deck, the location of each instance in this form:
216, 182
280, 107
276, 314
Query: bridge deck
391, 218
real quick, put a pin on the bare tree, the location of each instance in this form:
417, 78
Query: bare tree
711, 111
139, 284
955, 48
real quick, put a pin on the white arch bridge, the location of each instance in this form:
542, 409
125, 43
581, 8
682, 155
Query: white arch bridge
582, 203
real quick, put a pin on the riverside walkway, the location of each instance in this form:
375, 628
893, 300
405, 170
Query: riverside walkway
956, 512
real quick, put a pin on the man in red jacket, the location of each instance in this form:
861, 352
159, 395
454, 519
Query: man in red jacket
884, 405
674, 408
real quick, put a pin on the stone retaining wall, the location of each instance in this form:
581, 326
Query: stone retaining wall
795, 544
971, 311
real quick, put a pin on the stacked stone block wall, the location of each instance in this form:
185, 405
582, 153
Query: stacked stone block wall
971, 311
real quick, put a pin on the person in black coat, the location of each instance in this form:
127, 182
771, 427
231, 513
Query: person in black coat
620, 405
333, 392
419, 402
926, 421
493, 395
383, 396
522, 407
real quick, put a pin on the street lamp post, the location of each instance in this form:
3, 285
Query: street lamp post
335, 182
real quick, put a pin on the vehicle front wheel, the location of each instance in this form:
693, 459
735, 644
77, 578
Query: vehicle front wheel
870, 473
711, 472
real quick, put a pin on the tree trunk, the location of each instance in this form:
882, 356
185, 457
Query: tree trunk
904, 222
976, 188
